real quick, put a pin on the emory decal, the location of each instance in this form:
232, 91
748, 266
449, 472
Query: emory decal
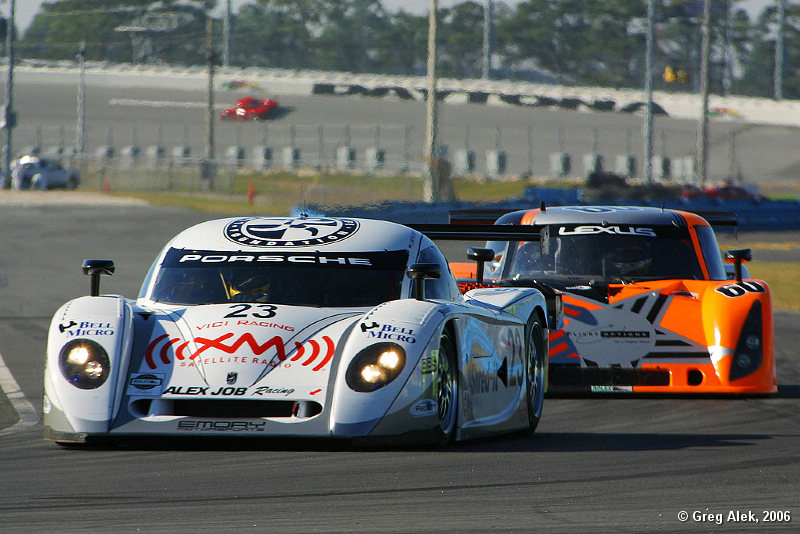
222, 426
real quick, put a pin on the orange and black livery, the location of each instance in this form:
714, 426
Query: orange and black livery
649, 304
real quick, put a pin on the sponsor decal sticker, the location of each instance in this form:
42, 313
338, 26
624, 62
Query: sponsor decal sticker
424, 408
613, 230
145, 384
221, 350
86, 328
268, 390
389, 332
289, 232
221, 426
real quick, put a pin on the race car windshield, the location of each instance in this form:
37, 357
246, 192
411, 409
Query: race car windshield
618, 254
192, 277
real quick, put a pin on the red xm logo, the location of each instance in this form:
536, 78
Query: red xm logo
247, 338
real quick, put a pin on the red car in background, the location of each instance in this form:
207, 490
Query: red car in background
725, 192
249, 108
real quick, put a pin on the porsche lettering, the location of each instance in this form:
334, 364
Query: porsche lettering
613, 230
295, 258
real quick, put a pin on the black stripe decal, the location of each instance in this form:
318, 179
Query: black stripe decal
656, 308
672, 343
653, 355
637, 306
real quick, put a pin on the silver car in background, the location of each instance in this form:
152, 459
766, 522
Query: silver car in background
33, 172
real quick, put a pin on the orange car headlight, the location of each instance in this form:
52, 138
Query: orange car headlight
750, 348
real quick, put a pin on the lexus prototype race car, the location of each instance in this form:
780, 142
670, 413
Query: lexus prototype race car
649, 305
297, 327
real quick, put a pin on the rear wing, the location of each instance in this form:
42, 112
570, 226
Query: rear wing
479, 232
718, 217
476, 216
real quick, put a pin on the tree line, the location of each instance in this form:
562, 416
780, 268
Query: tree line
569, 42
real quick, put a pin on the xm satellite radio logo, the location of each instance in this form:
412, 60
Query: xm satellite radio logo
289, 232
225, 349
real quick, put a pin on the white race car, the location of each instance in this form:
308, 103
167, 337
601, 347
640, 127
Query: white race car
297, 327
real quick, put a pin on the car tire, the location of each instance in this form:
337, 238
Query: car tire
72, 183
446, 384
535, 370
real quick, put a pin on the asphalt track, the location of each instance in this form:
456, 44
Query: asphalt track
594, 465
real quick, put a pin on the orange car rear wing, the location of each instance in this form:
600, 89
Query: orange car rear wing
718, 218
473, 216
477, 215
479, 232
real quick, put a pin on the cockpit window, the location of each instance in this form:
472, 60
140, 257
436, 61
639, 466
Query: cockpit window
614, 254
710, 248
192, 277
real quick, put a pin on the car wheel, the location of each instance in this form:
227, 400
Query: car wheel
72, 183
447, 388
535, 348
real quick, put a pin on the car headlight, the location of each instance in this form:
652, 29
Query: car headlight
749, 349
84, 363
375, 366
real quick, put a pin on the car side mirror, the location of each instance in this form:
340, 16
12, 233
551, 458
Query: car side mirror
96, 268
481, 256
419, 272
736, 257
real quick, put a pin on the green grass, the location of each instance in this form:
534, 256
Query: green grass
782, 279
277, 193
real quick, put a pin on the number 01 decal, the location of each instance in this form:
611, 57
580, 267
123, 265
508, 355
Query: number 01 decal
740, 289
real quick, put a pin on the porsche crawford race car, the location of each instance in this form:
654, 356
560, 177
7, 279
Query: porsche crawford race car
299, 327
649, 306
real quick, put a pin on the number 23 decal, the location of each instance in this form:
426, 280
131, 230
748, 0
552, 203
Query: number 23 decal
263, 311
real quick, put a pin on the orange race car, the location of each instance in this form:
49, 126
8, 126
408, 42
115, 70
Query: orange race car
649, 305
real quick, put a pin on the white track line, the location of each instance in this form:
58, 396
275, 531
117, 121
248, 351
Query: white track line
28, 415
157, 103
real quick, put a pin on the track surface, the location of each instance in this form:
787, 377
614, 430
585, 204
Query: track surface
594, 465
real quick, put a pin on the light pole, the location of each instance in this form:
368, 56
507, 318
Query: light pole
431, 186
488, 15
209, 165
80, 143
779, 53
9, 118
648, 89
702, 126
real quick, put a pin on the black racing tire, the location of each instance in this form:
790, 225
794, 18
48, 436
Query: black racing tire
446, 384
535, 369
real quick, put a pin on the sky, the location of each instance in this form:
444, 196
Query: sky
25, 10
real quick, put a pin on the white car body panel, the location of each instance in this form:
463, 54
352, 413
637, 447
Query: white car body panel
262, 369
